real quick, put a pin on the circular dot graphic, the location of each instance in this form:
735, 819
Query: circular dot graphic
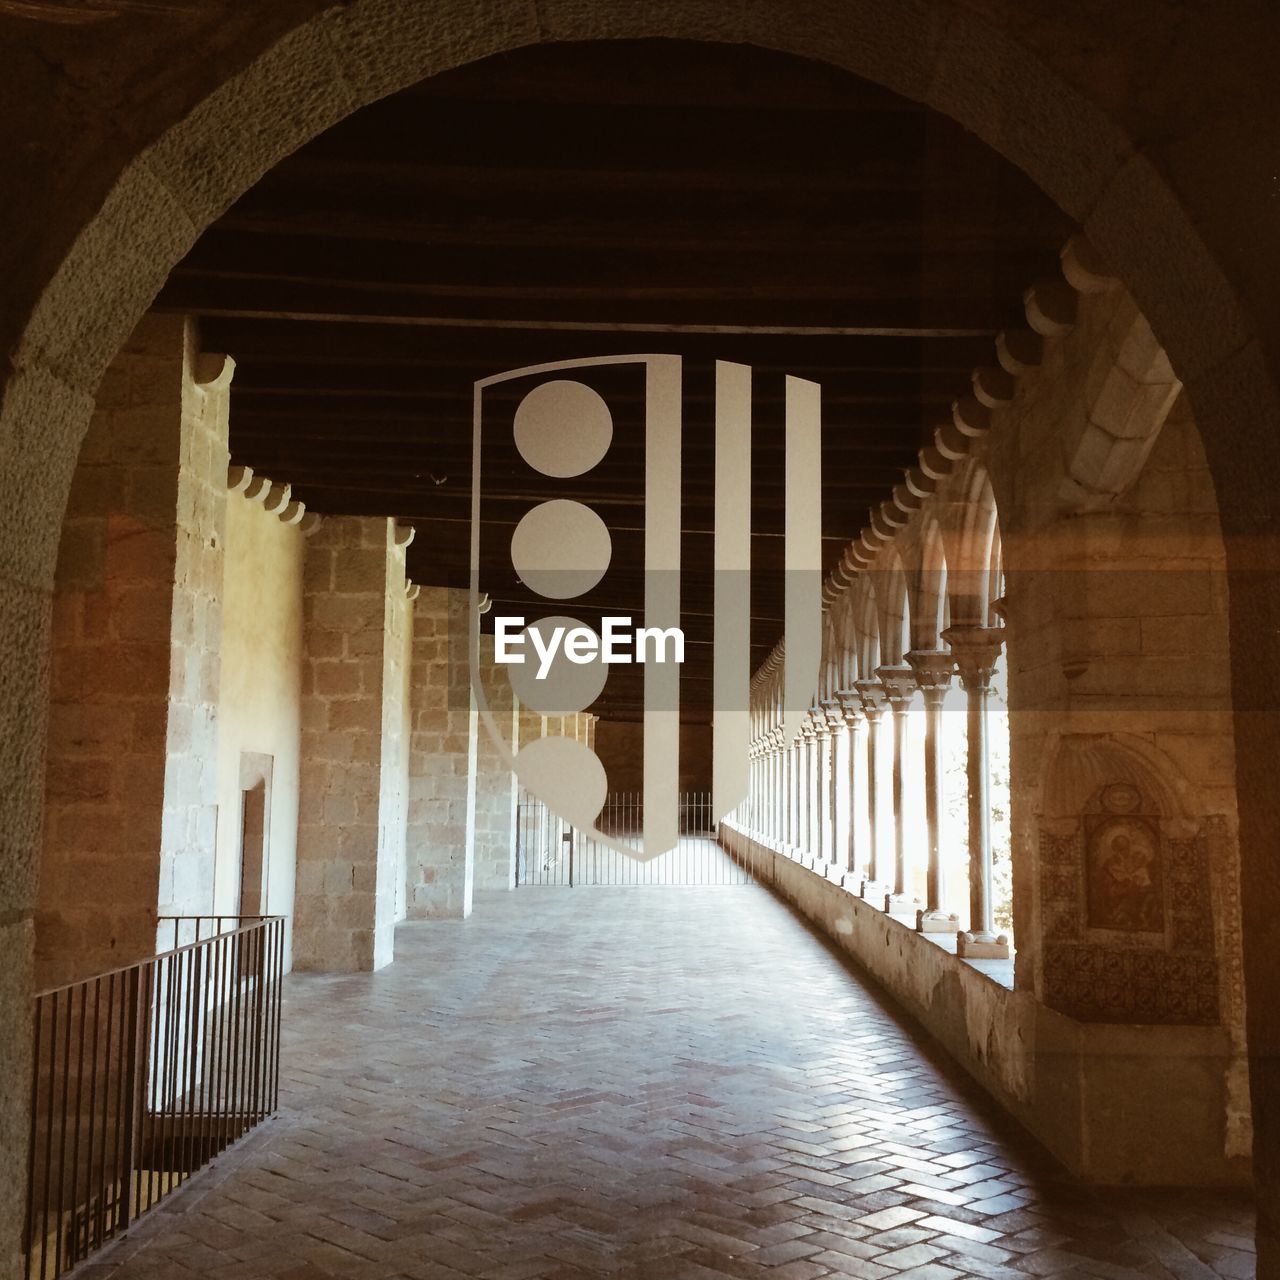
566, 776
561, 548
568, 686
563, 428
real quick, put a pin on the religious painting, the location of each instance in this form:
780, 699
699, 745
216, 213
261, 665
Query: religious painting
1124, 881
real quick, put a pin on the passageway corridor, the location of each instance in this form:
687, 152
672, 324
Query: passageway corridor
642, 1082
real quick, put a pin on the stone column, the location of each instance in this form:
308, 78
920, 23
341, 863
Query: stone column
444, 745
496, 789
770, 787
835, 727
976, 650
779, 787
855, 725
350, 801
900, 687
784, 792
757, 791
795, 790
873, 704
933, 670
813, 788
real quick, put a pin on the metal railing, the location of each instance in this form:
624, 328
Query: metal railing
550, 852
143, 1075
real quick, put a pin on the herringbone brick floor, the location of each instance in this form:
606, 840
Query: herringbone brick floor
642, 1083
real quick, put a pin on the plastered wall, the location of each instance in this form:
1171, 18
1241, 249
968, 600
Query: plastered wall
259, 707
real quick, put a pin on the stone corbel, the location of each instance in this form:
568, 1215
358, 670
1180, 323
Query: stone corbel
404, 534
213, 371
256, 488
292, 513
971, 417
277, 498
309, 524
1019, 350
411, 590
1052, 307
993, 386
1084, 268
239, 479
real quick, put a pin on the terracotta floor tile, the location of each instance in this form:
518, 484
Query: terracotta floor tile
680, 1084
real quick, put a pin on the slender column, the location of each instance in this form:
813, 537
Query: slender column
900, 687
835, 725
794, 753
933, 670
818, 784
855, 723
976, 650
821, 744
873, 705
811, 826
775, 787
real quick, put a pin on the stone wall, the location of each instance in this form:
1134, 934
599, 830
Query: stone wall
130, 786
1119, 690
351, 693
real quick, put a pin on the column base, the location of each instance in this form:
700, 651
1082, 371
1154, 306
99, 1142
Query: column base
982, 946
936, 922
901, 904
873, 891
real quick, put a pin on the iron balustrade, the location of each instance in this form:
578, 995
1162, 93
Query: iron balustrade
143, 1075
551, 852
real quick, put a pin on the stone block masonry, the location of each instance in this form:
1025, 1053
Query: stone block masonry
353, 773
442, 761
131, 781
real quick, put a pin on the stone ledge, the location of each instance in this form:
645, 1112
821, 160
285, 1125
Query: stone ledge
1000, 972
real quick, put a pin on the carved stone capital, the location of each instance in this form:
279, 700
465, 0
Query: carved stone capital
933, 670
899, 685
835, 714
850, 705
976, 650
874, 699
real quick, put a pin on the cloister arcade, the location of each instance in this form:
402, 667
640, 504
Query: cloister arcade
871, 760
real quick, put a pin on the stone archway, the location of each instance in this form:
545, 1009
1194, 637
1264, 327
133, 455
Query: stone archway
1187, 225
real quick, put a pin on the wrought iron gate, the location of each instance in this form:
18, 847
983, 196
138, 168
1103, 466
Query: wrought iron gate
550, 852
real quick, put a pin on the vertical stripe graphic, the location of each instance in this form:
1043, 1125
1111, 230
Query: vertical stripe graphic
662, 601
802, 594
731, 638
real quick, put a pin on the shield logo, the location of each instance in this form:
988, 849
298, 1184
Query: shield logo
562, 428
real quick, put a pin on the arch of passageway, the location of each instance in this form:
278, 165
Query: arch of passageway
1189, 226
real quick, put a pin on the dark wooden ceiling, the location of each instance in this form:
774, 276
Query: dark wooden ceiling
577, 200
